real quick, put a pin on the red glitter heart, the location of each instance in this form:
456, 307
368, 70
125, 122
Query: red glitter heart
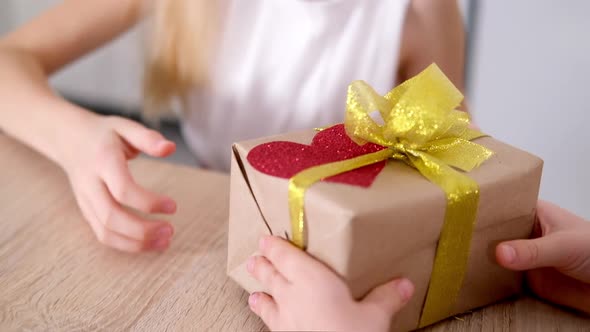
285, 159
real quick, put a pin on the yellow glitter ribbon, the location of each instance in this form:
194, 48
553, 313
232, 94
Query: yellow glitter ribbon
422, 128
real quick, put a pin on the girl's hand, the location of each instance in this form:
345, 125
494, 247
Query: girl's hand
558, 260
96, 164
306, 295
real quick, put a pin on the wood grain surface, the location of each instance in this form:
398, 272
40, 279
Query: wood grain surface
54, 275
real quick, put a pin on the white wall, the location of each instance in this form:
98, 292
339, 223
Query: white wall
5, 17
530, 87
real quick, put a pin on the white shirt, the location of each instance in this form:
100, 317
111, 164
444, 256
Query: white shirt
285, 65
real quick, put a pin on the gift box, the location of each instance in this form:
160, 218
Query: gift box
391, 216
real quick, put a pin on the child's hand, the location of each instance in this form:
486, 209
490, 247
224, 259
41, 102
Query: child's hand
306, 295
559, 260
96, 163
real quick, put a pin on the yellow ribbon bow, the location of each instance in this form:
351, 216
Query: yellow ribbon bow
422, 128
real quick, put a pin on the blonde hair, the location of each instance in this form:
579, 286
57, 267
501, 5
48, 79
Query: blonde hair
182, 40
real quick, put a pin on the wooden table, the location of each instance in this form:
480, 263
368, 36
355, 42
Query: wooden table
54, 276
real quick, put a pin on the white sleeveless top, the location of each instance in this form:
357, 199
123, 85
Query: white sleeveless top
285, 65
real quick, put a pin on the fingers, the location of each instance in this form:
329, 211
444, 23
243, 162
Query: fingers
143, 139
112, 217
264, 307
117, 241
126, 191
530, 254
110, 238
289, 260
262, 270
390, 297
106, 236
563, 243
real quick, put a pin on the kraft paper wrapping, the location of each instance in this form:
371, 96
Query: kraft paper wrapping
371, 235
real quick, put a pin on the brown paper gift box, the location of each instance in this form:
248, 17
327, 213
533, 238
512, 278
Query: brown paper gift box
371, 235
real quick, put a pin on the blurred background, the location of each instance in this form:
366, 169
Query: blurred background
528, 73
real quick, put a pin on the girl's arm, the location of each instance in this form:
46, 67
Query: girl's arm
93, 150
32, 112
433, 32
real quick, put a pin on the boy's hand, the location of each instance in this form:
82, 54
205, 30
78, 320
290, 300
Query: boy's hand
96, 164
558, 259
306, 295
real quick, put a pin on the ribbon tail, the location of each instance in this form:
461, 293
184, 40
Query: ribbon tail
301, 181
450, 262
459, 153
471, 134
